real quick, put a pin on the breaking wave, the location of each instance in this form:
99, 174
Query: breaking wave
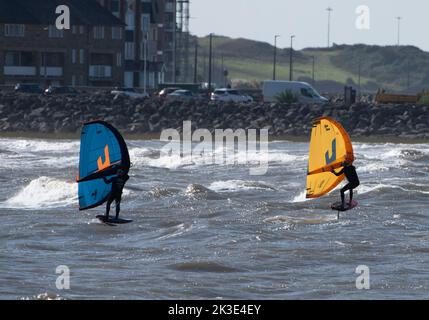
157, 159
239, 185
44, 192
29, 145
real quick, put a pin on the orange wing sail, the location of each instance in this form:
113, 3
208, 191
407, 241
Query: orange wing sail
330, 146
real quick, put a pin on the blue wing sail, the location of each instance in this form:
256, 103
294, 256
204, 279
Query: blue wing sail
93, 193
102, 152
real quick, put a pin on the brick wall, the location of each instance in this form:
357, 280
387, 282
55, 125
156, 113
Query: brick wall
37, 40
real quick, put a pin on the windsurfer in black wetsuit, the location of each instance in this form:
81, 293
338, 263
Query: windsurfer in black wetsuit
350, 172
118, 183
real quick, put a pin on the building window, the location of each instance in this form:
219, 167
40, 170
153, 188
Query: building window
116, 33
82, 56
19, 58
145, 23
12, 59
98, 32
55, 33
14, 30
81, 29
73, 81
74, 56
114, 6
129, 20
129, 51
74, 29
119, 59
169, 7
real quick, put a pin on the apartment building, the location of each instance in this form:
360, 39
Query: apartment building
32, 49
143, 50
149, 40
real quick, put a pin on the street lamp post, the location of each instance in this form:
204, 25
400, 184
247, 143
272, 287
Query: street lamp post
174, 62
275, 56
408, 74
196, 63
145, 62
314, 63
359, 78
329, 25
45, 66
399, 29
222, 76
290, 59
210, 63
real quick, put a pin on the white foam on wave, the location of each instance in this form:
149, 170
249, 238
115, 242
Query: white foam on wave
156, 158
391, 152
38, 153
305, 220
239, 185
176, 231
373, 167
44, 192
273, 156
33, 145
362, 189
30, 161
59, 162
302, 197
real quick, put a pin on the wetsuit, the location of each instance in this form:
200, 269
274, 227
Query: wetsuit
118, 184
353, 179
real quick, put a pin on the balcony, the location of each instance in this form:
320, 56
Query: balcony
19, 71
100, 71
51, 71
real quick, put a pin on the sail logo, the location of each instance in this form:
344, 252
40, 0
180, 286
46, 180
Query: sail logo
103, 165
333, 157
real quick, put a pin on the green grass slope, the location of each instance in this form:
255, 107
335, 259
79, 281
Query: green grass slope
404, 68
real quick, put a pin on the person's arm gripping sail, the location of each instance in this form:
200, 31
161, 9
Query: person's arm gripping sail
102, 152
338, 174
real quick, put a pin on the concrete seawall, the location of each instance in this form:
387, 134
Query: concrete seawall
61, 114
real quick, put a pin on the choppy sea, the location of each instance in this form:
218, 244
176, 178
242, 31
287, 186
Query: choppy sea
213, 231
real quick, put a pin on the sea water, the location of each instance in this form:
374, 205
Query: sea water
211, 231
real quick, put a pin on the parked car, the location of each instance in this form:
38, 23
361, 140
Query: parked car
229, 95
302, 91
183, 95
28, 88
130, 92
61, 90
166, 91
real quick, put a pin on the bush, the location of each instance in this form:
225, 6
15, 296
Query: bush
286, 97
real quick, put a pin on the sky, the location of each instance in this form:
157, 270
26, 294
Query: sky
261, 20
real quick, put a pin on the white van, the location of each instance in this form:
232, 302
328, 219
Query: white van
304, 92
